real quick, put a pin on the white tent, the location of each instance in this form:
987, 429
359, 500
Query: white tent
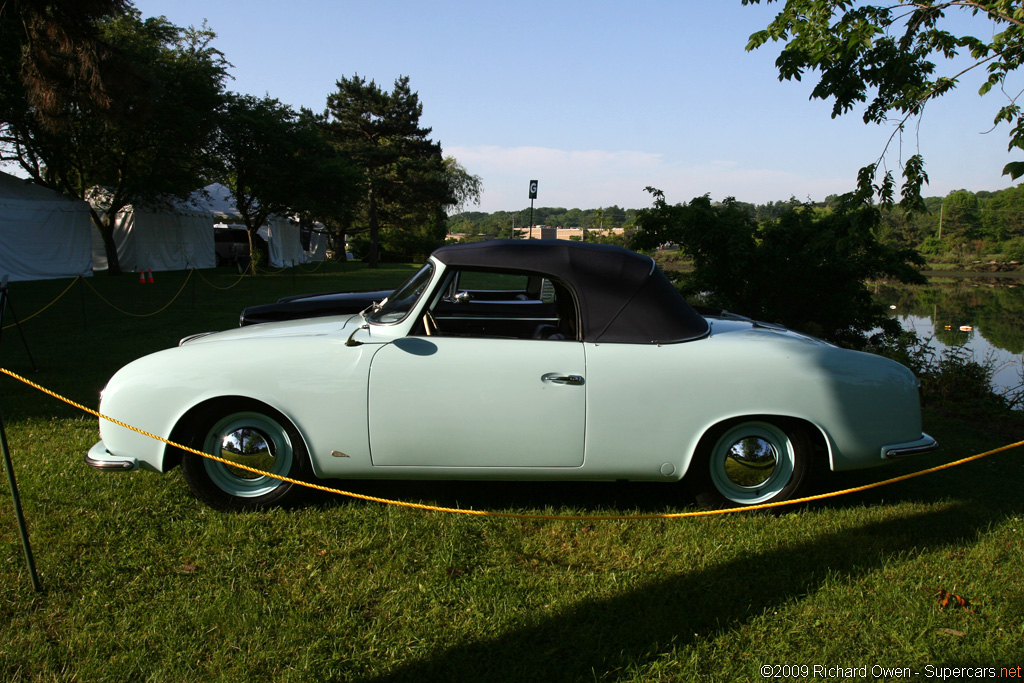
282, 236
281, 233
43, 235
317, 250
178, 237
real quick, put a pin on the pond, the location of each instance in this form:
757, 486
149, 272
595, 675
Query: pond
985, 316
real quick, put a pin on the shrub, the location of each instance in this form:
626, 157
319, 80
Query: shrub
1013, 249
954, 382
805, 269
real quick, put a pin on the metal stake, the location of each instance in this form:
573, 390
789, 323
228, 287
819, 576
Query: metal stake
22, 528
5, 303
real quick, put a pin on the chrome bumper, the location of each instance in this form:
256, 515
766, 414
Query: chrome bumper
902, 450
99, 458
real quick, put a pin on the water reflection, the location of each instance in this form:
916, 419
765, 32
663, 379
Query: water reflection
985, 316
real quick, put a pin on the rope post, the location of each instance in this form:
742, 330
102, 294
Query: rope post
22, 528
5, 302
81, 299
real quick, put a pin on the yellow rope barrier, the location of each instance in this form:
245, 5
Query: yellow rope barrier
318, 266
116, 308
231, 286
143, 315
514, 515
66, 290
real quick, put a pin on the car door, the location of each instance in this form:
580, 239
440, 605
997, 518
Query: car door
477, 402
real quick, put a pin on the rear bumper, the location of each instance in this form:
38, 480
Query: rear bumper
901, 450
100, 458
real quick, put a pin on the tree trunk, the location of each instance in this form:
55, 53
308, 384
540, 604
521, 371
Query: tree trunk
255, 254
372, 258
106, 229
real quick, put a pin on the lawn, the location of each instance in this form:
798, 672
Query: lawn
141, 583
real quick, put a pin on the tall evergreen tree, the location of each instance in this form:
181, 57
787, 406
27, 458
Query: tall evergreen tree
404, 185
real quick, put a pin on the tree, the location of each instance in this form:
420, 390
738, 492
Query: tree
162, 151
404, 184
464, 187
807, 269
1003, 216
960, 218
276, 162
882, 56
52, 58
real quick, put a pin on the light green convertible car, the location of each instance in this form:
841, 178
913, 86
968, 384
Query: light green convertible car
514, 360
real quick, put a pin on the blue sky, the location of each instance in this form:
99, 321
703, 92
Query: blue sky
597, 99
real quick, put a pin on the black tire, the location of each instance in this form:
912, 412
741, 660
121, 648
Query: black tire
750, 463
263, 439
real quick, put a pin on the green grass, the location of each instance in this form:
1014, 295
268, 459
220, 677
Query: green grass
144, 584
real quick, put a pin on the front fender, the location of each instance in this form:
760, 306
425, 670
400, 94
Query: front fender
318, 384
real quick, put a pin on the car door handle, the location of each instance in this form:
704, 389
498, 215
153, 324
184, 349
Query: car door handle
555, 378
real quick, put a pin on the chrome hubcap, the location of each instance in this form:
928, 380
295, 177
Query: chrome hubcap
248, 447
252, 440
751, 461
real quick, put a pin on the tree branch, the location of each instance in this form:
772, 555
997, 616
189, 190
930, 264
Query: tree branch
992, 13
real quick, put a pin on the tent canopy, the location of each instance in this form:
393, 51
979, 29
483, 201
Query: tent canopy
177, 236
280, 232
43, 234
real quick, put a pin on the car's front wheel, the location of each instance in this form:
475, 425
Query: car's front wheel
250, 435
752, 462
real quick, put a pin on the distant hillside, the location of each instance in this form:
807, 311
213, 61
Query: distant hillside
961, 225
477, 222
604, 218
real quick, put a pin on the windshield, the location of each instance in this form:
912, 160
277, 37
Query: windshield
398, 305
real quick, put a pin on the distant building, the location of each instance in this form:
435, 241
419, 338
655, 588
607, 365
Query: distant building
544, 232
547, 232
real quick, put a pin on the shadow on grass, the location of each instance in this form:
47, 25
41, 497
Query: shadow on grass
587, 497
979, 483
638, 627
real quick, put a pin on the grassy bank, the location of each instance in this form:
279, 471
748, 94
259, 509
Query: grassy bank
144, 584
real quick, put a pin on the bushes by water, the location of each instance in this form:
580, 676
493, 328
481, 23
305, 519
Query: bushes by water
954, 382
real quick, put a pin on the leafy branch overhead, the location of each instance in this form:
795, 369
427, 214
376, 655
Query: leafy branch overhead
884, 57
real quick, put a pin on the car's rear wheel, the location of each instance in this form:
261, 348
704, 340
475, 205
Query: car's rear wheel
751, 463
250, 435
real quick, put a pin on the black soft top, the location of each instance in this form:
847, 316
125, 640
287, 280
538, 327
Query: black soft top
623, 296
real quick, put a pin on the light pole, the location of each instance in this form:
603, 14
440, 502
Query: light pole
533, 195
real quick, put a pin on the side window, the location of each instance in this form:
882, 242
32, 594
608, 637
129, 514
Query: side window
504, 305
483, 286
547, 291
